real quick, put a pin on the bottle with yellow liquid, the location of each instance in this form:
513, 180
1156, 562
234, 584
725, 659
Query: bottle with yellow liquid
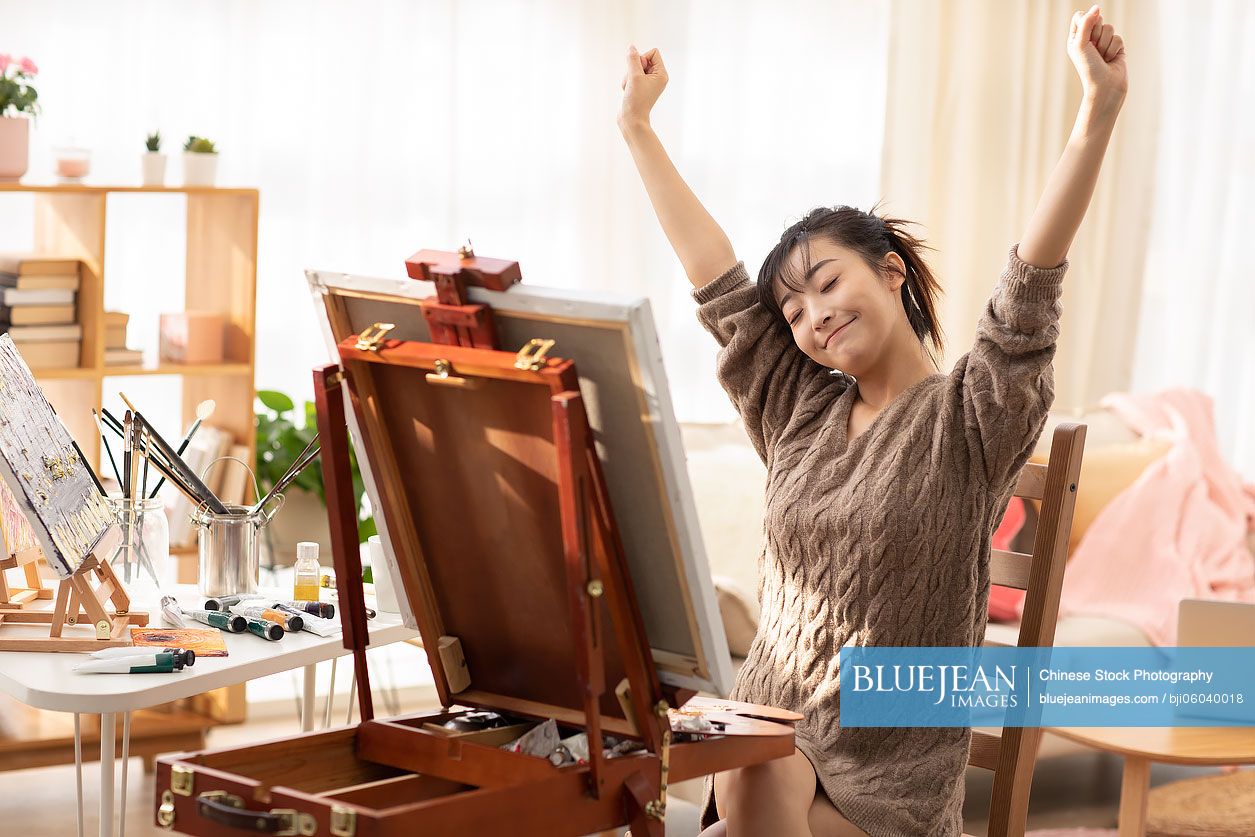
307, 571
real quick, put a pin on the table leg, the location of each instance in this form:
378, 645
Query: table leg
331, 694
1134, 790
78, 768
126, 761
307, 703
107, 732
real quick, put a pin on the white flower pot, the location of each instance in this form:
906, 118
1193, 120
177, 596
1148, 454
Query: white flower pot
154, 164
199, 169
14, 146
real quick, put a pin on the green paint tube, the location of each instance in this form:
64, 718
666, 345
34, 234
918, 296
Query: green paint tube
219, 619
266, 629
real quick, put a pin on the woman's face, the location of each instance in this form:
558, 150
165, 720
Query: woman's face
845, 313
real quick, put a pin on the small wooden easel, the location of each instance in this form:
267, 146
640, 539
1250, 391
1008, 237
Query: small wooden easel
76, 595
16, 598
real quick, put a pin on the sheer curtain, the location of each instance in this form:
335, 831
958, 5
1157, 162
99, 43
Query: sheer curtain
982, 98
374, 129
1198, 301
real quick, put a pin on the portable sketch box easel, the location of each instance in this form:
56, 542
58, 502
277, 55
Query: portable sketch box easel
50, 486
508, 552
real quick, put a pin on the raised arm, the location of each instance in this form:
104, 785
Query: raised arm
1098, 53
704, 249
1007, 379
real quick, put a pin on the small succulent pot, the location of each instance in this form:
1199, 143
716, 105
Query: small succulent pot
199, 168
154, 168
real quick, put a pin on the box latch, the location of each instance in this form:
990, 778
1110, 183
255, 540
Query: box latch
182, 779
343, 821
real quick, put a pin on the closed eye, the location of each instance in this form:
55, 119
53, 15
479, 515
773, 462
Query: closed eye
830, 285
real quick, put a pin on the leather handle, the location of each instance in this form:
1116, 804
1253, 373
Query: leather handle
227, 810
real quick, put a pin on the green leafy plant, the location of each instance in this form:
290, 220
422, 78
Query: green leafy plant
153, 142
200, 145
17, 95
280, 441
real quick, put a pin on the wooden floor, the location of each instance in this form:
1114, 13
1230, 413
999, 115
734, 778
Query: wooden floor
1071, 790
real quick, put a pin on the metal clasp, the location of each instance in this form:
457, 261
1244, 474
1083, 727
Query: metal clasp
343, 821
165, 814
658, 808
296, 824
532, 356
182, 779
372, 338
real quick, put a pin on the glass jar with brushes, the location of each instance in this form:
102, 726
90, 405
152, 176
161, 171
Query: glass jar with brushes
141, 557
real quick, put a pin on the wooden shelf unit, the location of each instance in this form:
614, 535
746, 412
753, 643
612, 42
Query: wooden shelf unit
221, 275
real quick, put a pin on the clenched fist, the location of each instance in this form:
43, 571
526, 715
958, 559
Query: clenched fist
1098, 54
643, 83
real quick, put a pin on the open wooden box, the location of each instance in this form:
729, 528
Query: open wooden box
510, 558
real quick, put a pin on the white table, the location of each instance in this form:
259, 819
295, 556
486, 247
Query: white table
46, 681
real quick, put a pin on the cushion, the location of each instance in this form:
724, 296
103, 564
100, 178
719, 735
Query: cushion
1106, 470
1004, 601
738, 612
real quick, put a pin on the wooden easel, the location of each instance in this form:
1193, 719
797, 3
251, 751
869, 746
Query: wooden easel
88, 592
16, 598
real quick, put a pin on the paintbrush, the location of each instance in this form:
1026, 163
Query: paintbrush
128, 442
177, 465
104, 441
204, 410
81, 458
307, 456
143, 483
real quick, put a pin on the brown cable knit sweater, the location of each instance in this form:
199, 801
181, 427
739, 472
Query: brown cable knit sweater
883, 541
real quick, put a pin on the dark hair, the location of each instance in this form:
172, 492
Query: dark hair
872, 237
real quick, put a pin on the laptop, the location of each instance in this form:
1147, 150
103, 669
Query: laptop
1216, 624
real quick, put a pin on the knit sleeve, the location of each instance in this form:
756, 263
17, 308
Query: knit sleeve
1007, 379
759, 366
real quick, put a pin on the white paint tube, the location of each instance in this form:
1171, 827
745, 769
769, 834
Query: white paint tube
314, 624
171, 612
127, 651
163, 662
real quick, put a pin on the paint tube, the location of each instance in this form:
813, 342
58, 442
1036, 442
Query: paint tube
162, 662
266, 629
225, 602
171, 612
128, 651
324, 610
290, 621
219, 619
314, 624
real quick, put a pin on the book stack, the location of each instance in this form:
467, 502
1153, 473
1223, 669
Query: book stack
116, 352
37, 308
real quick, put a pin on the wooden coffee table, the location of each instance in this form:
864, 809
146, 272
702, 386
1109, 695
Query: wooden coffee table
1141, 746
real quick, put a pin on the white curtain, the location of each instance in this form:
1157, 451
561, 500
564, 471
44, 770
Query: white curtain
982, 98
1197, 316
374, 129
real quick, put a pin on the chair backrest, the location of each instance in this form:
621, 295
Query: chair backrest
1012, 754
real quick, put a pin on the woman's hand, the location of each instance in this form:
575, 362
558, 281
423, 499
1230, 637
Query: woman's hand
643, 83
1098, 54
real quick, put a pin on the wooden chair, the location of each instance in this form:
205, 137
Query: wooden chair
1012, 754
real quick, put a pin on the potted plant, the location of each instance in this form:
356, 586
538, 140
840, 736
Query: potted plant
17, 107
304, 513
154, 162
200, 162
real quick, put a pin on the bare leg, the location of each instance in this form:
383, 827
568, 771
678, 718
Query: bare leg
770, 798
826, 821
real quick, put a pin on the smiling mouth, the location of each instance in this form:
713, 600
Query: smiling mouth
832, 336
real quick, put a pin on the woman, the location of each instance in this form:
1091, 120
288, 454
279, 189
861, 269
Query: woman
884, 482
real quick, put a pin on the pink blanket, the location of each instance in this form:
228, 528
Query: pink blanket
1178, 532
